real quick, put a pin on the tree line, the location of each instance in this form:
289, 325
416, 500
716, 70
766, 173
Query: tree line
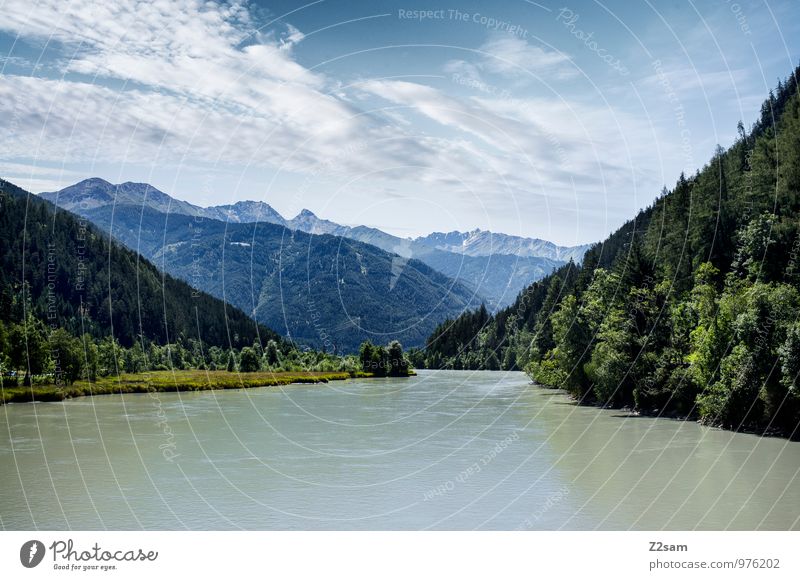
32, 353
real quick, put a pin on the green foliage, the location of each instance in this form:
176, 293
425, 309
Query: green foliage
248, 360
789, 353
165, 381
383, 361
416, 358
28, 347
67, 354
271, 356
374, 359
398, 365
134, 360
731, 398
90, 357
547, 372
611, 360
5, 359
754, 241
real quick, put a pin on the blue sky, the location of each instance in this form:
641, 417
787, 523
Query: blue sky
550, 120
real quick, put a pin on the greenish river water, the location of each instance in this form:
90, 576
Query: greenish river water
444, 450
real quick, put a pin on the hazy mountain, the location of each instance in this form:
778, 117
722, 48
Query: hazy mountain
497, 277
307, 222
483, 243
495, 266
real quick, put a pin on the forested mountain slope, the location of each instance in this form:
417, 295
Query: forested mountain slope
691, 308
65, 271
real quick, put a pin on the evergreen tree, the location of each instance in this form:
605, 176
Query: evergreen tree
271, 354
29, 348
398, 365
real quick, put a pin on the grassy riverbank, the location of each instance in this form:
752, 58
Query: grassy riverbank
167, 381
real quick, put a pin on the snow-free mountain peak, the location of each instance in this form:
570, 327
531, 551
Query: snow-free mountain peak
307, 221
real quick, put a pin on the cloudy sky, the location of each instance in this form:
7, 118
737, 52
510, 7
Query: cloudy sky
551, 120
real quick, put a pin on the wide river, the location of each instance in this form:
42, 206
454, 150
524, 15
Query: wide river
444, 450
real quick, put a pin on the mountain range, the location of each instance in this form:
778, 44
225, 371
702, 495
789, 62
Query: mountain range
321, 290
494, 266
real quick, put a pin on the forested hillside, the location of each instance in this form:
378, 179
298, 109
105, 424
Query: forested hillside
689, 309
65, 272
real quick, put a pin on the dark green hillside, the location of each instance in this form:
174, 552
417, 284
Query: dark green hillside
69, 274
321, 290
692, 308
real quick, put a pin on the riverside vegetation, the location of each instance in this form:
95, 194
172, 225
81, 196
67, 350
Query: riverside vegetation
58, 366
690, 309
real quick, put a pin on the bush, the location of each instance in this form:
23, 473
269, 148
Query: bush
248, 362
546, 372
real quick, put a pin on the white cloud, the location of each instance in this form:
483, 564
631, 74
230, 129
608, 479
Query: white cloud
203, 83
38, 178
464, 68
514, 57
293, 37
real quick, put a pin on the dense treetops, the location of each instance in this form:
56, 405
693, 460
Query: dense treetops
383, 361
692, 308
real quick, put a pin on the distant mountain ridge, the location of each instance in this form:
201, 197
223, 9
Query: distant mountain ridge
96, 192
484, 243
495, 266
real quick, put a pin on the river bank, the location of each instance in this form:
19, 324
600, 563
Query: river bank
694, 417
167, 381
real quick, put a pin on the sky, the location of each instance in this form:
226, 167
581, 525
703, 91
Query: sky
553, 120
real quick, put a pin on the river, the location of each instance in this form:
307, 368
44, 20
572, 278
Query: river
444, 450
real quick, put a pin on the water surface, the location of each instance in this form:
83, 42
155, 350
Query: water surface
444, 450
